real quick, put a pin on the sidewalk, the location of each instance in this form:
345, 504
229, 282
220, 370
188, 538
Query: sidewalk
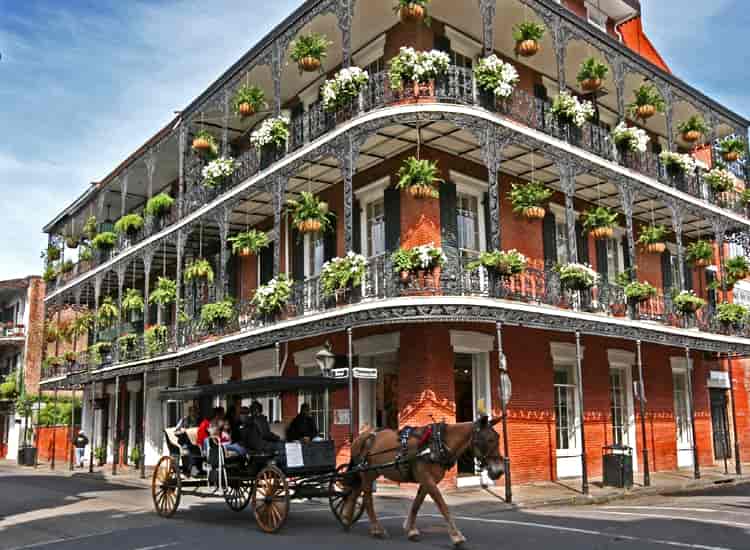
530, 495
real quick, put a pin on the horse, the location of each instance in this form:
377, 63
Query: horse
376, 453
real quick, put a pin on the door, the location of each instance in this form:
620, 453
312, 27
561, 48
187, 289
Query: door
682, 419
720, 424
472, 388
567, 422
621, 409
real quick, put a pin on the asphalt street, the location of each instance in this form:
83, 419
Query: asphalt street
42, 510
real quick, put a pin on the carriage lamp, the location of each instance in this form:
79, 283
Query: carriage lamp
325, 359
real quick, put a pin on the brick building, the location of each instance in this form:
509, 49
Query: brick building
589, 367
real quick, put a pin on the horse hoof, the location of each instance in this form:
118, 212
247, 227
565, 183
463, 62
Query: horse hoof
378, 533
458, 540
413, 535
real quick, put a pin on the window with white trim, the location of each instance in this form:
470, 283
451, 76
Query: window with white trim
470, 214
374, 213
618, 406
615, 258
566, 425
596, 17
314, 254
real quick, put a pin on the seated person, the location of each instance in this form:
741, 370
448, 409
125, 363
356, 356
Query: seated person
258, 434
303, 426
238, 432
216, 416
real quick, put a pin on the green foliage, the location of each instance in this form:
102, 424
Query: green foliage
577, 276
67, 266
693, 124
528, 195
699, 251
252, 95
96, 352
159, 205
592, 69
731, 314
108, 312
156, 339
85, 254
733, 145
51, 253
310, 207
100, 454
410, 65
71, 242
132, 301
165, 292
105, 240
599, 216
217, 314
49, 274
423, 172
506, 263
720, 180
81, 324
135, 456
639, 291
127, 344
313, 45
687, 302
213, 144
252, 240
528, 30
56, 414
89, 228
200, 268
404, 259
342, 273
745, 197
271, 298
52, 361
737, 267
652, 234
406, 3
25, 405
647, 94
9, 388
129, 224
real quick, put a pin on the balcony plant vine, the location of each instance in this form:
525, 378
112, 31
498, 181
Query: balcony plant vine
419, 178
600, 222
49, 274
732, 148
108, 312
734, 315
651, 238
529, 199
527, 36
686, 302
218, 171
504, 263
343, 273
496, 77
248, 100
639, 292
720, 180
630, 139
647, 102
159, 205
412, 11
692, 129
677, 164
574, 276
165, 292
199, 269
89, 228
737, 268
272, 132
344, 88
568, 109
156, 339
699, 253
272, 298
52, 253
309, 51
104, 241
217, 315
418, 67
248, 242
126, 344
132, 301
310, 214
129, 225
591, 74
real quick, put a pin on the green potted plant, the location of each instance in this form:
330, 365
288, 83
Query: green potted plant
647, 102
692, 129
72, 242
159, 205
85, 254
127, 344
420, 68
630, 139
108, 312
495, 79
419, 178
67, 266
342, 274
89, 228
198, 269
52, 253
529, 199
132, 301
129, 224
652, 237
677, 164
699, 253
81, 325
165, 292
600, 222
720, 180
404, 262
527, 36
70, 356
270, 138
504, 263
248, 100
204, 143
104, 241
577, 276
733, 315
737, 267
639, 292
49, 274
309, 51
568, 109
218, 171
217, 315
248, 242
687, 302
732, 148
156, 339
591, 74
100, 454
310, 214
97, 352
412, 11
745, 197
271, 298
344, 88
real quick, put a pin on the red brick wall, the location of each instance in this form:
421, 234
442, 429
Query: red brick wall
55, 439
35, 335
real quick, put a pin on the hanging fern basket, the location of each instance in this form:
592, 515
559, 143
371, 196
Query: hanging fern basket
534, 213
655, 248
309, 64
201, 144
645, 111
601, 233
591, 84
310, 225
692, 136
412, 13
527, 48
245, 110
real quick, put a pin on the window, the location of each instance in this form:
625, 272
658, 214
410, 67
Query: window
618, 406
460, 60
375, 224
614, 258
561, 239
681, 409
467, 207
375, 67
674, 265
314, 254
565, 408
597, 17
318, 401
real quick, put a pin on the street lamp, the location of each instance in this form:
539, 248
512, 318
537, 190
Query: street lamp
325, 359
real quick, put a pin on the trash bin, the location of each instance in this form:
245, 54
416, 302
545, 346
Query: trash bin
618, 466
27, 456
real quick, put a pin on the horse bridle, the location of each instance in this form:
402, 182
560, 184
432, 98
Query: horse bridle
480, 457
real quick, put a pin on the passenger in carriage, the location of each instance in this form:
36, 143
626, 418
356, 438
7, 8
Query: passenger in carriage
303, 426
217, 416
238, 433
258, 434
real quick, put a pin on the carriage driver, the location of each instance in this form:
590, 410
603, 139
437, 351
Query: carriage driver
257, 434
303, 426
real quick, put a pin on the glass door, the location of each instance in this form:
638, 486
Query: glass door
472, 388
682, 419
567, 433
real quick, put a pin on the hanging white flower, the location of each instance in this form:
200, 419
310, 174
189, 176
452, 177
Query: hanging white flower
570, 109
217, 170
343, 87
272, 131
494, 75
634, 139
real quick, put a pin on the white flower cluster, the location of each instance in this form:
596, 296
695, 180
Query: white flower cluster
421, 66
635, 139
273, 130
343, 87
570, 108
429, 256
355, 262
217, 170
273, 295
720, 180
579, 271
495, 75
684, 163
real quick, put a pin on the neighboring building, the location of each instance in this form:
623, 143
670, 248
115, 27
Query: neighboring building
21, 336
433, 339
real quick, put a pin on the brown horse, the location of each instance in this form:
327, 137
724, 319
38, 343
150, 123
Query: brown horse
376, 449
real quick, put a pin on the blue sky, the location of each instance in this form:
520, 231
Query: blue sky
83, 83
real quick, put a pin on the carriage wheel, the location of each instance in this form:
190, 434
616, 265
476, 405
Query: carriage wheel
166, 487
271, 499
238, 493
337, 495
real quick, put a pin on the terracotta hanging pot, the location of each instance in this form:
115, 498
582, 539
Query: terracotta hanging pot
655, 248
201, 144
600, 233
527, 48
645, 111
732, 156
700, 263
246, 110
591, 84
245, 252
692, 136
534, 213
421, 191
412, 13
309, 64
309, 226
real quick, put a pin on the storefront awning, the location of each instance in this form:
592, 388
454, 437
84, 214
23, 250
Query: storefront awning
268, 385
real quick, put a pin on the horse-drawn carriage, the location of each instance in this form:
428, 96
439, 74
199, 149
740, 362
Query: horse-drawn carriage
268, 479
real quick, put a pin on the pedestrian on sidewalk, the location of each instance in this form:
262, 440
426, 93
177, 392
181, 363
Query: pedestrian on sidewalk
80, 443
